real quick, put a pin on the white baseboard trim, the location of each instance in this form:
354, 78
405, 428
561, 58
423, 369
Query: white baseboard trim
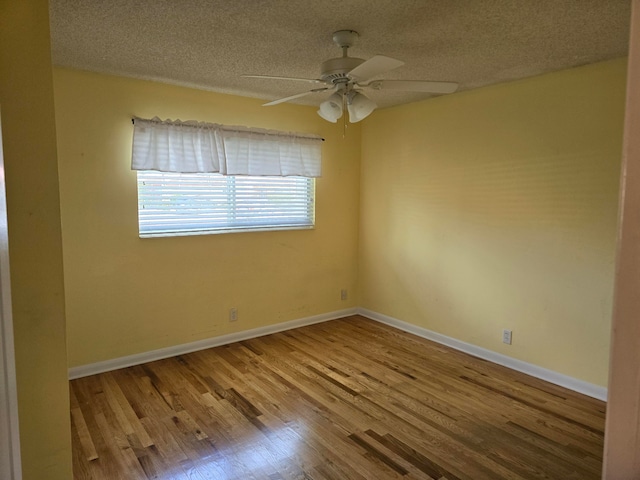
550, 376
556, 378
139, 358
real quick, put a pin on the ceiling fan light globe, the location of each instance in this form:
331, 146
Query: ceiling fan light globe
332, 119
331, 109
360, 107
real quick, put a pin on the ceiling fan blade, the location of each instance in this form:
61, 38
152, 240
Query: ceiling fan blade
374, 66
414, 86
271, 77
293, 97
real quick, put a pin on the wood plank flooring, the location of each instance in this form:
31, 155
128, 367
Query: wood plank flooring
346, 399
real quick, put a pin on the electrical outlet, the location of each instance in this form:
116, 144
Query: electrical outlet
506, 337
233, 314
344, 294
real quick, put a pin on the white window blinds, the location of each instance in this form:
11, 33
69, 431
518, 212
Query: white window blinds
198, 147
197, 203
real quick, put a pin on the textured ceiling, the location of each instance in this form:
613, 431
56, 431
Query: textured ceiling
208, 44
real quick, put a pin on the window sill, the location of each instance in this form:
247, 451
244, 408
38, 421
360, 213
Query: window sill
225, 230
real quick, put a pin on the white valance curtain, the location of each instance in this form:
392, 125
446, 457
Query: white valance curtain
198, 147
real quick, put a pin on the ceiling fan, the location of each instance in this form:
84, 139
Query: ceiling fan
348, 76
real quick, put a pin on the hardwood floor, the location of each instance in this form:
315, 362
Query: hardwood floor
346, 399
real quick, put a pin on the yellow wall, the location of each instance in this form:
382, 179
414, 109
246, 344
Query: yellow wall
483, 210
29, 145
496, 208
127, 295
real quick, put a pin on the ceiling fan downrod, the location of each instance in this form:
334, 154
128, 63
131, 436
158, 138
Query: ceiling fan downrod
335, 70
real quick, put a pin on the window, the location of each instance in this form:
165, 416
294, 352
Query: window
197, 177
199, 203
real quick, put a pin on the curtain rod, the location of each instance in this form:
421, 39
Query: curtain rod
231, 129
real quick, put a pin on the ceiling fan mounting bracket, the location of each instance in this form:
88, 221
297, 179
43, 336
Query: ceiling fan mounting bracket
345, 38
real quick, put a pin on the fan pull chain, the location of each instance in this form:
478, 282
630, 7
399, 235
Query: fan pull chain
344, 115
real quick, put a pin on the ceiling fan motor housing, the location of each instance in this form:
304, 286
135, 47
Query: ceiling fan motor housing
335, 70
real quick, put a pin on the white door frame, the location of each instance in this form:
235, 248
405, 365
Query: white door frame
622, 431
10, 466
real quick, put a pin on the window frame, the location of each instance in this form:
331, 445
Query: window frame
231, 192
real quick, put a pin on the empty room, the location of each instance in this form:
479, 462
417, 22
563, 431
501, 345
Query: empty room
319, 240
